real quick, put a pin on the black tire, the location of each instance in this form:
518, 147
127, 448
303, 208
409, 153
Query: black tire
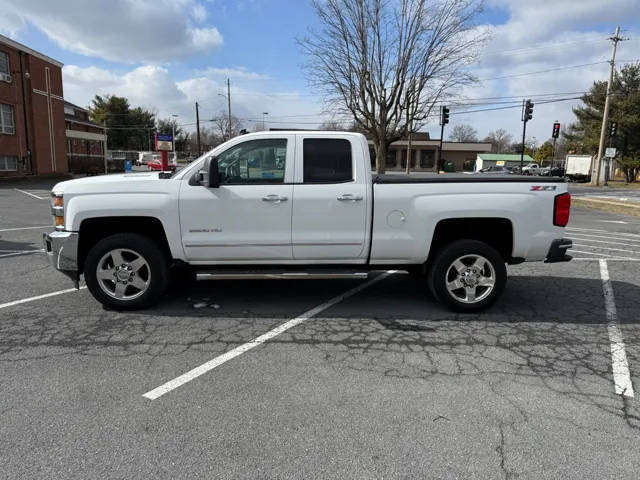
493, 270
157, 269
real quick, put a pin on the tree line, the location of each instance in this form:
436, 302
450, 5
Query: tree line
133, 128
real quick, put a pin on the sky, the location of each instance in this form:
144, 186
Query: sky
167, 54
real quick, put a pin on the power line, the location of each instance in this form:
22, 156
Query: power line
543, 71
541, 46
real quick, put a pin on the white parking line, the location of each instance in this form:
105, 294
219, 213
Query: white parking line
623, 234
21, 252
38, 297
24, 228
605, 248
225, 357
30, 194
607, 237
600, 241
621, 376
611, 259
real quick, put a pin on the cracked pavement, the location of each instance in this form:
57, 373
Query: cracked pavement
384, 384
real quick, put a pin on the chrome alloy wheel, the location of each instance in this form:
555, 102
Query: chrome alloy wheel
470, 278
123, 274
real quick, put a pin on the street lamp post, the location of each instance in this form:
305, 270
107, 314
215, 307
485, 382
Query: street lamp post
173, 135
263, 114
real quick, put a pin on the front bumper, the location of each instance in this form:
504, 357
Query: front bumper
558, 251
62, 251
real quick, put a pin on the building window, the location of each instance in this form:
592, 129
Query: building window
468, 164
8, 164
391, 159
7, 124
4, 63
403, 158
427, 159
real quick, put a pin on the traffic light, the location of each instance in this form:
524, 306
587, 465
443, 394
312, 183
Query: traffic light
613, 129
528, 110
444, 115
556, 130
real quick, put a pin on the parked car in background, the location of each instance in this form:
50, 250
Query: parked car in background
143, 158
531, 169
499, 170
552, 172
155, 162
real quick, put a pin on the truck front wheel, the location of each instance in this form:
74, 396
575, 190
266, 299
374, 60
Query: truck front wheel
467, 276
126, 271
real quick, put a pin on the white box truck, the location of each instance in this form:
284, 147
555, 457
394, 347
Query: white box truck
578, 167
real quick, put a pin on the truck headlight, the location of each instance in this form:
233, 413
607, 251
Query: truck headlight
57, 210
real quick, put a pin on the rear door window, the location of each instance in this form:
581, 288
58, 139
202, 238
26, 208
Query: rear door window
327, 160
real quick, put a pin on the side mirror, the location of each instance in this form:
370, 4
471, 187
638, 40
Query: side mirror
214, 174
210, 178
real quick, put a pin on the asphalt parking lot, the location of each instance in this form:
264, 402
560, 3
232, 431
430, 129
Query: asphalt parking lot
381, 382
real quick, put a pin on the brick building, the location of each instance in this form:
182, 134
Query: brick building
86, 141
32, 126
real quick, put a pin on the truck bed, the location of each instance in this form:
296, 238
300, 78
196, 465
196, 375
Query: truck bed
462, 178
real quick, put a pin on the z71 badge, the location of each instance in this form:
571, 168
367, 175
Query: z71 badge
543, 188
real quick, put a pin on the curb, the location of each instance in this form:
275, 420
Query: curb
607, 205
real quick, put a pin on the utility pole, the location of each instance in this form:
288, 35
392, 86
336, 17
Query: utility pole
104, 127
198, 128
229, 105
408, 166
605, 116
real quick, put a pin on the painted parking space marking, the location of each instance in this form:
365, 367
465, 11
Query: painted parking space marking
31, 194
606, 248
622, 234
619, 363
20, 252
39, 297
24, 228
607, 237
231, 354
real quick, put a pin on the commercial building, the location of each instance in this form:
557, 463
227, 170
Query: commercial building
32, 127
86, 141
485, 160
425, 152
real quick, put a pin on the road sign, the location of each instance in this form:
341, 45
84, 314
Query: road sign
610, 152
500, 163
164, 142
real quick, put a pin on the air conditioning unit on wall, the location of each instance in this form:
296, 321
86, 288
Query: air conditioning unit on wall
5, 77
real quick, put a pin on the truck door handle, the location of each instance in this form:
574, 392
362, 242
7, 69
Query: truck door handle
349, 197
274, 198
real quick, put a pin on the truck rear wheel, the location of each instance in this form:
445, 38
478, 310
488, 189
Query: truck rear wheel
467, 276
126, 271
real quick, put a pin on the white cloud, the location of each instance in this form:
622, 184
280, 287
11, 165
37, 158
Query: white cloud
128, 31
233, 73
545, 35
153, 87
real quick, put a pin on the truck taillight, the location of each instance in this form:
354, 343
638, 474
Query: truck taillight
561, 209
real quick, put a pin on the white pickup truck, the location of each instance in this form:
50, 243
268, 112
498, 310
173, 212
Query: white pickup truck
302, 205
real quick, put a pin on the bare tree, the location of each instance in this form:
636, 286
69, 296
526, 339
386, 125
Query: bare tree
386, 63
463, 133
500, 140
332, 125
220, 125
